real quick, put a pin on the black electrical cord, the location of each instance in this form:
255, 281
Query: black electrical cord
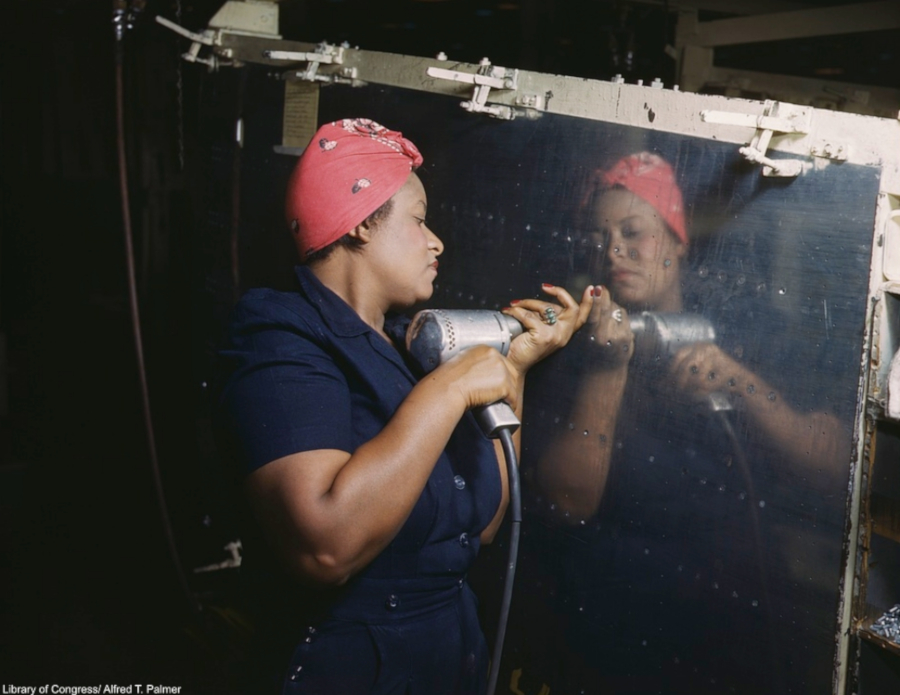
515, 505
756, 526
136, 322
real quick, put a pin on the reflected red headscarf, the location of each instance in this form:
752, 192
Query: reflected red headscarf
652, 179
349, 169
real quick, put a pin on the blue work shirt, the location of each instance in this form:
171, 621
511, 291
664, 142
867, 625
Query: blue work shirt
305, 372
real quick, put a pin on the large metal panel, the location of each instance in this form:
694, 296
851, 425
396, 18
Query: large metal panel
714, 559
719, 552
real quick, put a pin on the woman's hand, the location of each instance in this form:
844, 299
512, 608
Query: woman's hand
609, 332
545, 333
481, 375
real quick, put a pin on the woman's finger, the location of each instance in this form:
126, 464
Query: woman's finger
567, 310
530, 317
560, 293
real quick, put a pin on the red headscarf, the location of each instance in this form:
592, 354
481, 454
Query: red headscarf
348, 170
652, 179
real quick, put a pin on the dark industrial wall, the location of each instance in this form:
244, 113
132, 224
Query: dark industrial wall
88, 592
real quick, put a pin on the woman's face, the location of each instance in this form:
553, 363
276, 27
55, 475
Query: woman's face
635, 254
404, 249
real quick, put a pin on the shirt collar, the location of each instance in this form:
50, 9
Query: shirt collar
335, 312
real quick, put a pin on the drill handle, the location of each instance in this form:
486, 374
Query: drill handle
496, 417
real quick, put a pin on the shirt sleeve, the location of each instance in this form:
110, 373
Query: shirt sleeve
284, 393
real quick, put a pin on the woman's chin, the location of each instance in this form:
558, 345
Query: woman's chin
627, 296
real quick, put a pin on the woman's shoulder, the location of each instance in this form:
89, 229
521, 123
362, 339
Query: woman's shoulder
266, 301
262, 306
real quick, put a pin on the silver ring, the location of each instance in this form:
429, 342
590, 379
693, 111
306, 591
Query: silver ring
549, 316
617, 315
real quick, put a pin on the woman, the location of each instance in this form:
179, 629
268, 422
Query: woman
371, 488
639, 246
678, 521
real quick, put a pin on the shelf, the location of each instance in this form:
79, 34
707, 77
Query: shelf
873, 637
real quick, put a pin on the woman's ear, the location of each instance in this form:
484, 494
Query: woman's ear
362, 232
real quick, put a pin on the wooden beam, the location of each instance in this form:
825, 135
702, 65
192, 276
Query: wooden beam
721, 6
826, 21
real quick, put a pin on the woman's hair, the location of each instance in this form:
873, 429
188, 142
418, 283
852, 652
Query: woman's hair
586, 210
646, 175
351, 242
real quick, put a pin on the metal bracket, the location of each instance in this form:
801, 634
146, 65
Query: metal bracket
488, 77
235, 551
256, 18
777, 117
325, 53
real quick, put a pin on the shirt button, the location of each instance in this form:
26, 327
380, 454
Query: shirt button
464, 540
392, 602
459, 481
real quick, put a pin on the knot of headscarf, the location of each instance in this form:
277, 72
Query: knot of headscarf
349, 169
652, 179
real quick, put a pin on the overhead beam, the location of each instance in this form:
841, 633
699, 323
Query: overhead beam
825, 21
741, 7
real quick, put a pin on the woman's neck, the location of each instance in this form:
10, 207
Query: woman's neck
350, 282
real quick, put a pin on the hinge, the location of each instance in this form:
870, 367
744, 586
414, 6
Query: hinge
488, 77
777, 117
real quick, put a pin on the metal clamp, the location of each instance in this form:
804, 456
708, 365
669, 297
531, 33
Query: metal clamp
325, 53
207, 38
778, 117
488, 77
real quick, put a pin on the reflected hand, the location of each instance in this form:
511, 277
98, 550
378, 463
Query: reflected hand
548, 326
703, 368
610, 331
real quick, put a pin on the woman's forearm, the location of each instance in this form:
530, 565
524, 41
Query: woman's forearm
573, 469
330, 512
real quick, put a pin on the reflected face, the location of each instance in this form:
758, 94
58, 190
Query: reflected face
636, 255
404, 249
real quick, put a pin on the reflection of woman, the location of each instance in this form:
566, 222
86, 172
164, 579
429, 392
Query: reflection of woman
371, 490
639, 245
662, 560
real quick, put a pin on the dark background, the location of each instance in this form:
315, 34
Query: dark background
89, 590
